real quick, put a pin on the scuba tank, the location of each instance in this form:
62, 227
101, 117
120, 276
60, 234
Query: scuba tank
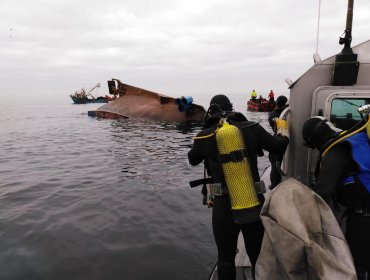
240, 185
237, 172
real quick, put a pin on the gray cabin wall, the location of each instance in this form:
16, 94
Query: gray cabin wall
363, 56
300, 102
363, 74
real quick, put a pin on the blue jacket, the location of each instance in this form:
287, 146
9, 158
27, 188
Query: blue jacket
360, 145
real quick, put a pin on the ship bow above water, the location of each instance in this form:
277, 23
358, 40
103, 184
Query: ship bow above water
138, 103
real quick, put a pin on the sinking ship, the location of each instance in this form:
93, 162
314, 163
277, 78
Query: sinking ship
138, 103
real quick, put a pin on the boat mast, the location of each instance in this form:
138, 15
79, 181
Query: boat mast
89, 93
347, 39
346, 65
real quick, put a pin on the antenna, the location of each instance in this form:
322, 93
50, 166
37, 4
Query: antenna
318, 28
347, 39
316, 56
288, 81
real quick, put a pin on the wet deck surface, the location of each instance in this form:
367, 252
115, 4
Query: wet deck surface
242, 263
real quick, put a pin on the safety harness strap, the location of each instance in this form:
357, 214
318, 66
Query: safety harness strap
219, 189
234, 156
199, 182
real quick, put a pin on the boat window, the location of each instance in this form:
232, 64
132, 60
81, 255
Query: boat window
344, 112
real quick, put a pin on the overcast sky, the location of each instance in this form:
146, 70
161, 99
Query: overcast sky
51, 48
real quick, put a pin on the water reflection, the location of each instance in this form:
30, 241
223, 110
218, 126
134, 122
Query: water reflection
144, 148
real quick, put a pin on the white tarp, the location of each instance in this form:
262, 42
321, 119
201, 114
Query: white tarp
302, 237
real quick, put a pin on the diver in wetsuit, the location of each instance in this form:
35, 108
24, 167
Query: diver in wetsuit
275, 176
226, 227
345, 174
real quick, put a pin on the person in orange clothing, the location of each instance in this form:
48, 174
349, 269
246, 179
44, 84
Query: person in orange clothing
271, 96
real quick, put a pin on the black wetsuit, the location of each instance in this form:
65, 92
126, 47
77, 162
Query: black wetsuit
225, 230
336, 165
275, 176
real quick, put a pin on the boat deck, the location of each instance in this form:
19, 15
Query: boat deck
242, 263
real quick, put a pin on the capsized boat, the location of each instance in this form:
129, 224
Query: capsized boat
83, 97
334, 88
138, 103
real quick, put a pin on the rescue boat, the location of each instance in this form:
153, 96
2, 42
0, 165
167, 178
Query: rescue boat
263, 106
335, 88
138, 103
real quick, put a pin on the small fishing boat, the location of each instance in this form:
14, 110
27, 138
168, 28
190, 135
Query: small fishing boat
83, 97
138, 103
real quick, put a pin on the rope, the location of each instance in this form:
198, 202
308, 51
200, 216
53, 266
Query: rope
346, 136
213, 133
206, 136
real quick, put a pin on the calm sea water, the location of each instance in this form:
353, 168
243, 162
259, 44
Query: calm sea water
86, 198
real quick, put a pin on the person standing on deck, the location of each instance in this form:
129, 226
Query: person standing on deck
271, 96
254, 95
345, 174
228, 223
275, 177
260, 99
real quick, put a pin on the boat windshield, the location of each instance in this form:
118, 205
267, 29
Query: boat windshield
344, 113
